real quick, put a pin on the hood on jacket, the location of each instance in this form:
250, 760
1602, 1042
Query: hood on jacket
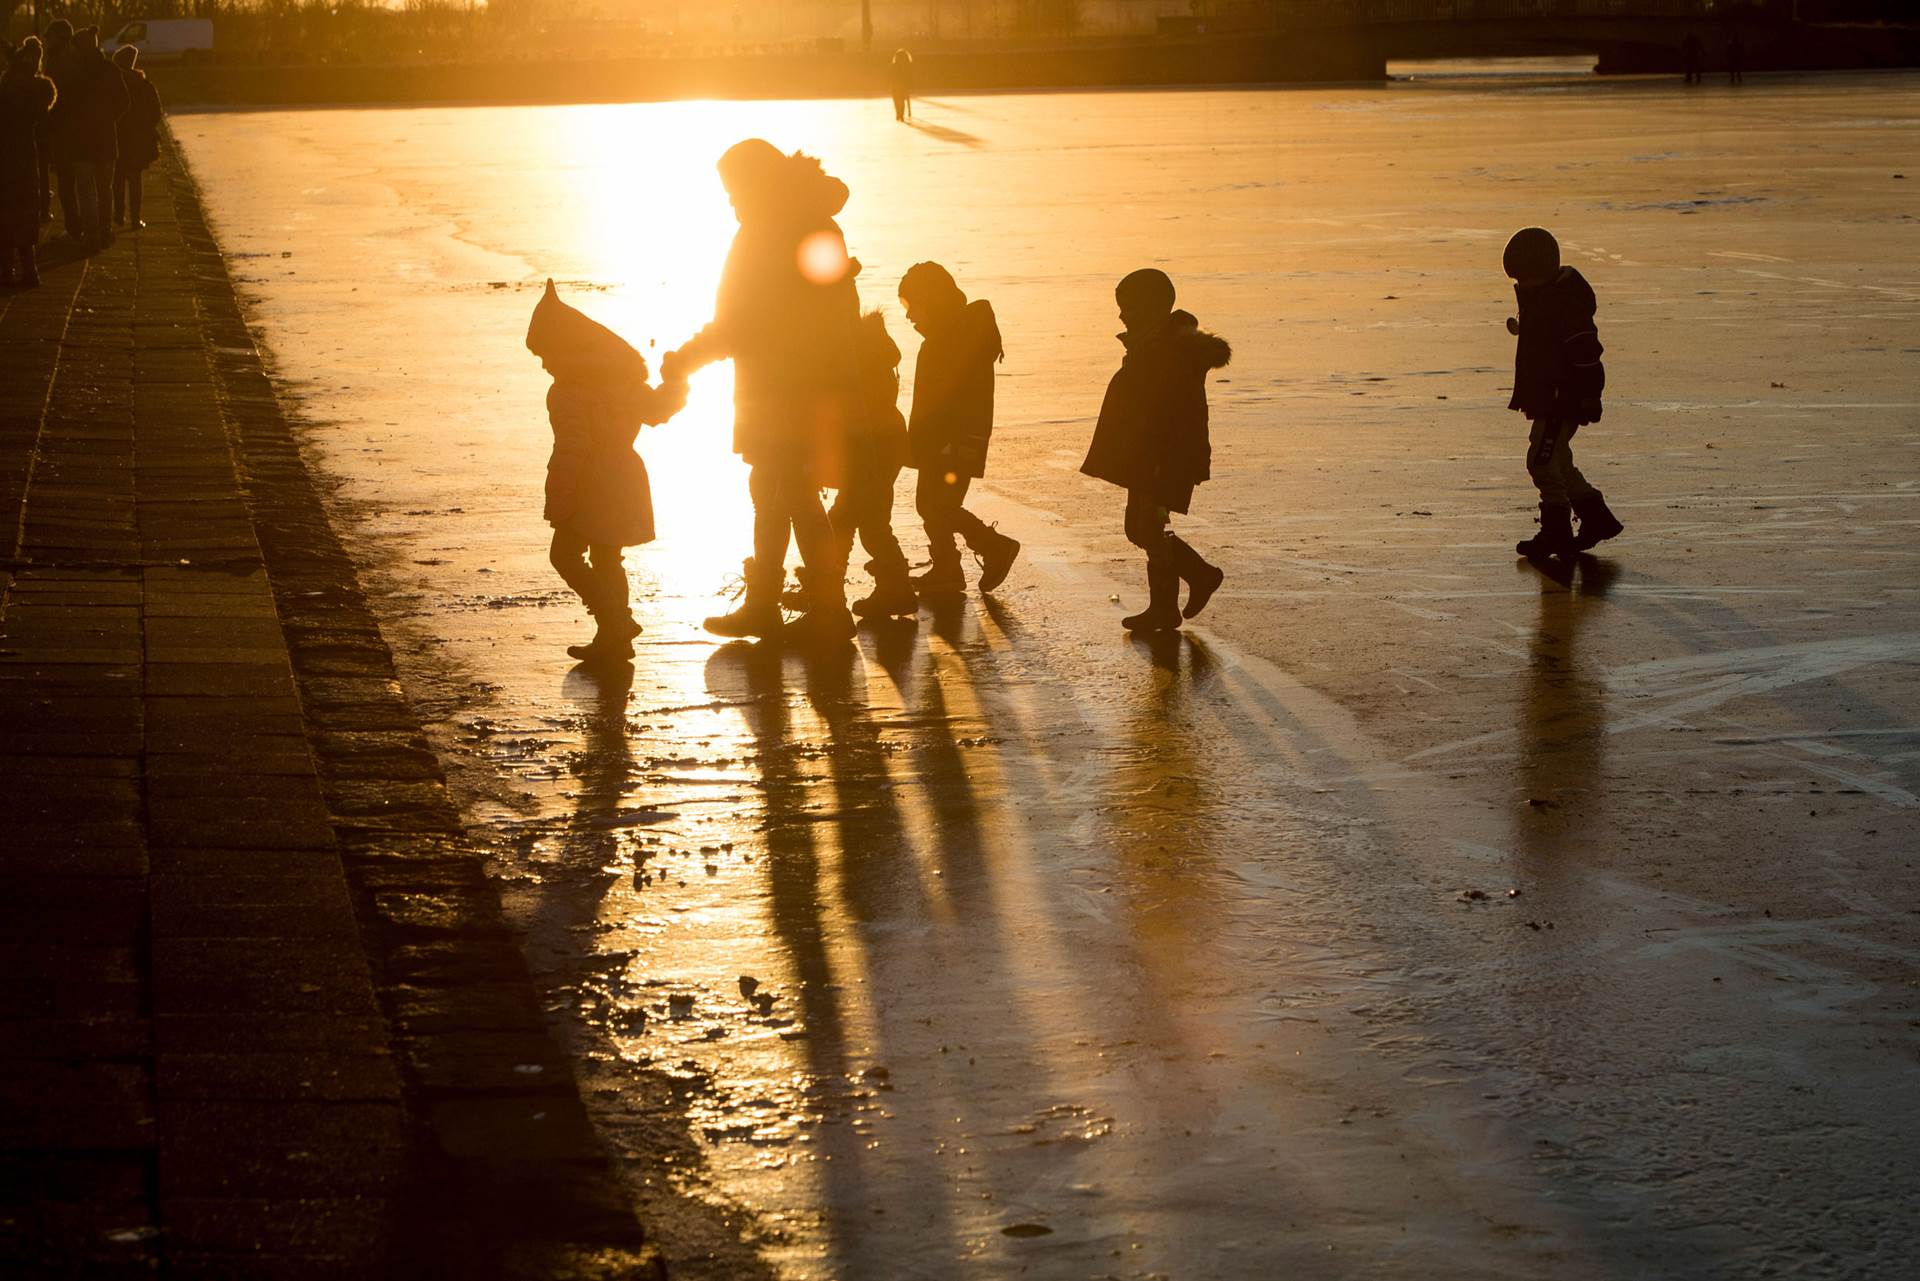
37, 89
566, 338
1568, 290
1210, 350
977, 323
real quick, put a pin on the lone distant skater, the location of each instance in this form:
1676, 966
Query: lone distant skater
1736, 58
1557, 381
900, 75
599, 500
1151, 441
952, 424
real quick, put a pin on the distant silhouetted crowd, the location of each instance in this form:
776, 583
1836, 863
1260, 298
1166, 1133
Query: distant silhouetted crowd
76, 123
816, 385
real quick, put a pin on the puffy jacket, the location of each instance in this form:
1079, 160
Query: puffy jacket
1152, 433
952, 419
1557, 374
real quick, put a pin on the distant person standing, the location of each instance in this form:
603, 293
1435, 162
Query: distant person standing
1736, 57
900, 74
1152, 441
952, 423
1557, 381
26, 97
96, 98
137, 135
1691, 57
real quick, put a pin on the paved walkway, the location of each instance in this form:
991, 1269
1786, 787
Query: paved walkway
261, 1016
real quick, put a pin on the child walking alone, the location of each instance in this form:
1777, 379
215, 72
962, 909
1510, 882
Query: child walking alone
1151, 441
598, 497
1557, 381
951, 425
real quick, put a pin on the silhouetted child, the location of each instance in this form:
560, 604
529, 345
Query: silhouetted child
951, 425
1557, 381
598, 497
1152, 441
900, 81
878, 451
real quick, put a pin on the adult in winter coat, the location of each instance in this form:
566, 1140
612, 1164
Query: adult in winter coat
1151, 441
1557, 382
55, 172
94, 98
599, 500
952, 423
786, 314
138, 136
26, 98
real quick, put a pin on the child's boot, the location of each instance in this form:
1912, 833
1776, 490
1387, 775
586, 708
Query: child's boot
1597, 524
1162, 613
1555, 537
944, 576
827, 620
1202, 579
996, 552
612, 641
892, 596
759, 613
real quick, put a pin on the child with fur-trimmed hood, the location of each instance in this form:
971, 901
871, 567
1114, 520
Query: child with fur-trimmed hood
598, 496
1151, 441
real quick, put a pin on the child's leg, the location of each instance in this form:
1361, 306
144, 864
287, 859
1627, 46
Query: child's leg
610, 569
568, 556
875, 509
936, 499
1146, 526
1545, 463
1571, 481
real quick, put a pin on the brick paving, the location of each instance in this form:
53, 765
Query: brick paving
262, 1016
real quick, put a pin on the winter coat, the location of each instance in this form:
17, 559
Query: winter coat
877, 445
597, 487
1557, 374
138, 129
786, 314
25, 100
93, 97
1152, 434
953, 393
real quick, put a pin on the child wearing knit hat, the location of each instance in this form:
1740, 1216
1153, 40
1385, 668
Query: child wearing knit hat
1557, 381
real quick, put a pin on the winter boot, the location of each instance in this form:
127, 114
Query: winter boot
612, 642
1162, 613
826, 620
1597, 524
995, 552
943, 577
892, 597
1202, 579
759, 613
1555, 537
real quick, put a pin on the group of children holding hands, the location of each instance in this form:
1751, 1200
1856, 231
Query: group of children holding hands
1151, 439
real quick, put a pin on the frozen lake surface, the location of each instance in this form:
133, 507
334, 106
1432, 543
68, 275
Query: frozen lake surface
1415, 915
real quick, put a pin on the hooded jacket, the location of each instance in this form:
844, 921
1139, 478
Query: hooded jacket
878, 441
25, 99
597, 486
1152, 433
137, 130
1557, 374
786, 314
952, 420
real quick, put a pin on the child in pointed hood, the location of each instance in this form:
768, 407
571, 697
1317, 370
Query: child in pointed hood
598, 496
1152, 441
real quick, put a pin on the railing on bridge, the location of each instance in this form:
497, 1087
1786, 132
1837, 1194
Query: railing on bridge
1342, 13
